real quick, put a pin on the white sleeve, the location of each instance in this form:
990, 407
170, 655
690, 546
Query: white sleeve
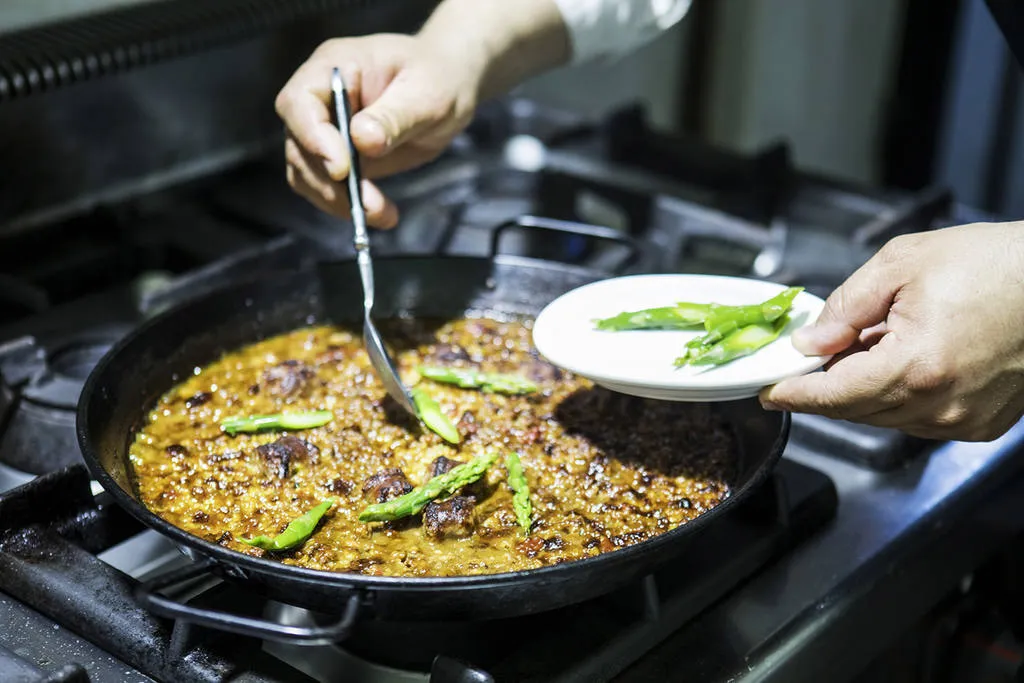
611, 28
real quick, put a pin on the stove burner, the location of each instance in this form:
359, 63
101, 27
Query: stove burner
39, 390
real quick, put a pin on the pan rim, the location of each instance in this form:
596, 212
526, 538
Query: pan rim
231, 561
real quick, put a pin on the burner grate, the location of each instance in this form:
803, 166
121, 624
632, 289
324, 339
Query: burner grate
52, 529
13, 667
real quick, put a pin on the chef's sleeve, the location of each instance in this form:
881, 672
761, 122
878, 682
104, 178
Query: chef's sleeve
607, 29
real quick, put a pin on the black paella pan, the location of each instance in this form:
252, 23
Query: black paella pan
144, 365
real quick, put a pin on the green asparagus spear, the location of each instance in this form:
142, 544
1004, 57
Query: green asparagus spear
430, 412
742, 342
724, 320
686, 314
489, 382
288, 421
297, 531
715, 334
414, 501
754, 314
698, 345
521, 492
681, 316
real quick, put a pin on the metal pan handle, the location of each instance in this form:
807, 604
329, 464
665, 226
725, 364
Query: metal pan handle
146, 594
594, 232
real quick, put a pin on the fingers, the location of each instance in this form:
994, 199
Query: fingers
868, 338
303, 105
405, 158
858, 385
408, 108
862, 302
915, 422
873, 335
311, 181
948, 421
398, 107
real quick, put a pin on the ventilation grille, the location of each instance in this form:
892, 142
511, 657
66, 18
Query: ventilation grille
47, 57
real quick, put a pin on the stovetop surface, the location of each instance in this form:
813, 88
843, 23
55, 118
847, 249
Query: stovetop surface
913, 517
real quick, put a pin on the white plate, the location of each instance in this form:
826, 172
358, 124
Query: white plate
641, 362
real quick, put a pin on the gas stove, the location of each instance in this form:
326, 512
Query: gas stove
852, 514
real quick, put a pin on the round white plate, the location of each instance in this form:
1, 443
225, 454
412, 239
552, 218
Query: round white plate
641, 362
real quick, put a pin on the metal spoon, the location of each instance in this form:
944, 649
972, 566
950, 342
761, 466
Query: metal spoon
379, 357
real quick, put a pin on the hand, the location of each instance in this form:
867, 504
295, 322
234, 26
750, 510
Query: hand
410, 101
929, 335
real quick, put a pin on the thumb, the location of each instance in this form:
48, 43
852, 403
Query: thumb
405, 110
861, 302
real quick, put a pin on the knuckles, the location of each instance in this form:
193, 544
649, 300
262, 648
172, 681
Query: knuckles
953, 417
898, 249
282, 103
328, 47
931, 374
331, 50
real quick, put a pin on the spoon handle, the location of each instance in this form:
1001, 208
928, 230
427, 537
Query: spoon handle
343, 116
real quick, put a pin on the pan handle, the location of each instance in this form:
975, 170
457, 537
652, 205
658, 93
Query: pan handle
595, 232
146, 594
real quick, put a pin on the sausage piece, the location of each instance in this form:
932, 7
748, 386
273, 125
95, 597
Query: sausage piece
281, 453
289, 377
451, 518
386, 485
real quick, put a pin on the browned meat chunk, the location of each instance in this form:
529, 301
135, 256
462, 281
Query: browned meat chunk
442, 465
197, 400
451, 518
468, 425
553, 543
386, 485
339, 486
448, 353
531, 546
289, 377
281, 453
541, 371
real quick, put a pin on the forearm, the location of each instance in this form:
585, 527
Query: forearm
502, 42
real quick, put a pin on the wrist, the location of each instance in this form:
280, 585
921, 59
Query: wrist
498, 43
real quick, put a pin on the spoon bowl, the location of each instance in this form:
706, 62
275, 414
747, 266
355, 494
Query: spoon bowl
375, 349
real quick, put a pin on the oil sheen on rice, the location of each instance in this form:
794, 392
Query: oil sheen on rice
605, 471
